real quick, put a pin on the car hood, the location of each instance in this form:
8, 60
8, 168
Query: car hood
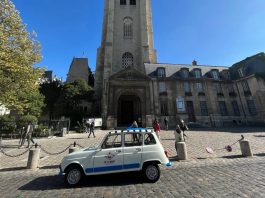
82, 153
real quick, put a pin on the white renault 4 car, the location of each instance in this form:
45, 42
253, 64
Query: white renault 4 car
135, 149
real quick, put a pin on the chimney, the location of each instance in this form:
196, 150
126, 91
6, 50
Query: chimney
194, 62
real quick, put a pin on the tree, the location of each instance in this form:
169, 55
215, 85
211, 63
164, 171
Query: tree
91, 79
51, 91
19, 51
74, 92
69, 102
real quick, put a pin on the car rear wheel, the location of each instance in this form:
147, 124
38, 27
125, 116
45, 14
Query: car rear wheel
74, 176
151, 173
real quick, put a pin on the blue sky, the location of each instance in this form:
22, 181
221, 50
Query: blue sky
213, 32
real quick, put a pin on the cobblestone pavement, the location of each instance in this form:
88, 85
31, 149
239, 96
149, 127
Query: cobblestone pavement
222, 174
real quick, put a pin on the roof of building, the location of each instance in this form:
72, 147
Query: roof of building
78, 70
173, 69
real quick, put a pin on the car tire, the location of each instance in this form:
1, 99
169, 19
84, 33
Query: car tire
74, 175
151, 173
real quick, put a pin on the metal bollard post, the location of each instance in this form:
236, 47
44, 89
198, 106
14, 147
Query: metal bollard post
73, 149
33, 159
182, 151
245, 148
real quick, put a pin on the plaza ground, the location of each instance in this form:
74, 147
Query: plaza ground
222, 174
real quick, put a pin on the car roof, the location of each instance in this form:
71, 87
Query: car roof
130, 129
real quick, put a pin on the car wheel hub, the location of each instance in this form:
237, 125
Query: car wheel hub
74, 176
151, 172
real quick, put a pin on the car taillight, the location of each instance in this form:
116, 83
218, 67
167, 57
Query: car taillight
166, 153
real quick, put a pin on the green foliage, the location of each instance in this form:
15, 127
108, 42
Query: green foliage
7, 124
51, 91
41, 131
74, 92
19, 51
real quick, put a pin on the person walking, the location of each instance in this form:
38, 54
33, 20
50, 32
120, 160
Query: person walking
91, 129
30, 130
157, 128
166, 123
134, 125
28, 135
87, 127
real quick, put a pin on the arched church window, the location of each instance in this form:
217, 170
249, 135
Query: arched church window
127, 60
127, 28
122, 2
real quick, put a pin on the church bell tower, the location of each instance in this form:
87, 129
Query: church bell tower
127, 42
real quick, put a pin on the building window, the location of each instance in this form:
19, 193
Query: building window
204, 110
231, 88
235, 108
252, 107
127, 28
226, 75
127, 60
163, 108
122, 2
161, 72
187, 87
222, 108
215, 74
185, 73
197, 73
245, 85
218, 88
132, 2
241, 72
199, 87
180, 104
162, 87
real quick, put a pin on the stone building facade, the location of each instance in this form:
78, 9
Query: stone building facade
131, 85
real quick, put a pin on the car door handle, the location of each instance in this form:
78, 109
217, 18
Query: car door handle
138, 149
118, 151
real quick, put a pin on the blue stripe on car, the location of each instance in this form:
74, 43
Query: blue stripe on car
112, 168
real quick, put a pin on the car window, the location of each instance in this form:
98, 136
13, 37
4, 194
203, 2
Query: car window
149, 139
112, 141
132, 139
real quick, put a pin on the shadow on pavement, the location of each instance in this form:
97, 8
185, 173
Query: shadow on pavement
260, 154
10, 146
232, 156
50, 167
57, 182
262, 136
12, 169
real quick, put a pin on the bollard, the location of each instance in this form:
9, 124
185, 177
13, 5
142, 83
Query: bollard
182, 151
245, 148
33, 160
73, 149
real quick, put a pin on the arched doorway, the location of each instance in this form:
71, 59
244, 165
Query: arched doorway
129, 109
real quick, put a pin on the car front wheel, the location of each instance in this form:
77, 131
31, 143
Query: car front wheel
151, 173
74, 176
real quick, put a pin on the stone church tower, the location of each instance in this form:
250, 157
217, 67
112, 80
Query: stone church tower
127, 43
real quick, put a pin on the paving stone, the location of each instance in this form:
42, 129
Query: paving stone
222, 174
